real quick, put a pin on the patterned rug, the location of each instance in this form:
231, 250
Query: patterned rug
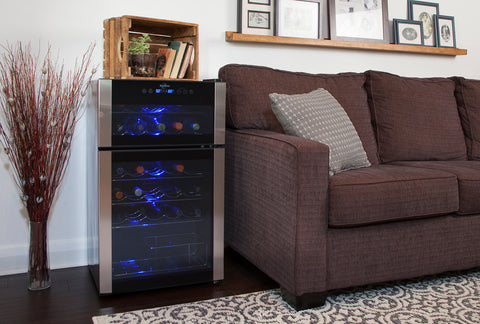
443, 300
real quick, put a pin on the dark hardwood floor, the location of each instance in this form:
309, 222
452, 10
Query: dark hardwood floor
73, 297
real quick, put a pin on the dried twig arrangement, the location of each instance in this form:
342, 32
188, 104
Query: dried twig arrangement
40, 106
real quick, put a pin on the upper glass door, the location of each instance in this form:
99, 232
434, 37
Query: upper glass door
137, 113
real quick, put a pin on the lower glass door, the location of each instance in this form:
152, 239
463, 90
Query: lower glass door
161, 204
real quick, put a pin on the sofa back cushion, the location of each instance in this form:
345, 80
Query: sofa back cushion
248, 103
415, 118
468, 100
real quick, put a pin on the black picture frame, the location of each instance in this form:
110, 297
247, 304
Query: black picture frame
256, 17
261, 2
425, 11
445, 28
408, 32
259, 19
361, 21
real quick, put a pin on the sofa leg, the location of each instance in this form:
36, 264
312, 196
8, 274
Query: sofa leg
304, 301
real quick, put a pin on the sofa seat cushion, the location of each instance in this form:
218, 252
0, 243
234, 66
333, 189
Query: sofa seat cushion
416, 119
386, 193
248, 105
467, 92
468, 175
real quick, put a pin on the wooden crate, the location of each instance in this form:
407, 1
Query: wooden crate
118, 32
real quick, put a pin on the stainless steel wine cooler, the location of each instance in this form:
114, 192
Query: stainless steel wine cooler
155, 183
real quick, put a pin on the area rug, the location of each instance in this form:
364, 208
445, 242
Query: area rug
442, 300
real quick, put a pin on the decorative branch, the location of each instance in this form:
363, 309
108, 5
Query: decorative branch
40, 105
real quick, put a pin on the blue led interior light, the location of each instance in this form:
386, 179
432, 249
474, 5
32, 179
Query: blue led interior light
156, 172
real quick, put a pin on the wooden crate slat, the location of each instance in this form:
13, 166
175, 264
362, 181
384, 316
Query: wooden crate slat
106, 51
124, 27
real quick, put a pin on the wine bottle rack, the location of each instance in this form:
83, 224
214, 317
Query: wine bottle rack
158, 120
157, 192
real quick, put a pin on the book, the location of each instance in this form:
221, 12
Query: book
187, 60
165, 58
180, 48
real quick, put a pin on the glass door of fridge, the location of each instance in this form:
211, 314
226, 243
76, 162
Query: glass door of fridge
161, 206
137, 113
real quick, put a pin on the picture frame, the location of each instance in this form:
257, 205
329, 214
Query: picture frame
408, 32
256, 17
359, 20
445, 28
425, 11
298, 18
324, 21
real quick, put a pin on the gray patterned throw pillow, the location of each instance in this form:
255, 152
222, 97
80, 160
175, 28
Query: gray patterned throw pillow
318, 116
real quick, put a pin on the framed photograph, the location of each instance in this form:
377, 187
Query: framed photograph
359, 20
298, 18
408, 32
256, 17
424, 11
445, 27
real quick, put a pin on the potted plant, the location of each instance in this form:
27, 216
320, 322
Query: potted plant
142, 62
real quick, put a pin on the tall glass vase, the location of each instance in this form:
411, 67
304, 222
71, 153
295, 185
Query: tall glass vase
38, 266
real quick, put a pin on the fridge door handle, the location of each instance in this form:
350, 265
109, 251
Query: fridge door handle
219, 123
218, 213
105, 113
105, 221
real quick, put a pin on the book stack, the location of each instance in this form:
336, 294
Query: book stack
174, 60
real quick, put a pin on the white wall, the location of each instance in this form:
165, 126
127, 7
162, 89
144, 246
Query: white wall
70, 26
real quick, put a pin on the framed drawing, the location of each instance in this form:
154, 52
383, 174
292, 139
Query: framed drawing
408, 32
445, 27
359, 20
255, 17
424, 11
298, 19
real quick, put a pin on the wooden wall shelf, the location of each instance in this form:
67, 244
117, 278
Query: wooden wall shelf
237, 37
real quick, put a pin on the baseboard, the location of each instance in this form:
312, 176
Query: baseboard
62, 254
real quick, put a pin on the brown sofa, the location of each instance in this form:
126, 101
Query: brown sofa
415, 211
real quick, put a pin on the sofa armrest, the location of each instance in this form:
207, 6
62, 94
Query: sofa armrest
276, 197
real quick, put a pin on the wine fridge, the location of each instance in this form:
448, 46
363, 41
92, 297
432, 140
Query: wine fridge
155, 183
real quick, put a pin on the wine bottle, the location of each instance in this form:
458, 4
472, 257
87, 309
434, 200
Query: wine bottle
139, 127
194, 191
178, 126
177, 211
179, 167
138, 192
118, 193
120, 129
197, 212
161, 127
156, 126
140, 170
120, 171
196, 127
